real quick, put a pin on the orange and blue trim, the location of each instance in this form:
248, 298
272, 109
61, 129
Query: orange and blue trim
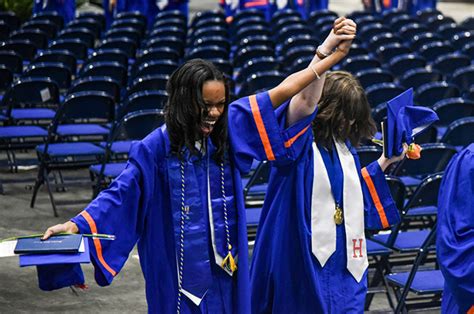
375, 197
294, 138
261, 128
97, 244
471, 310
255, 3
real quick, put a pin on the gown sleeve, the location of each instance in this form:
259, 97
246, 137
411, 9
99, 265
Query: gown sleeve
257, 131
120, 210
455, 234
380, 209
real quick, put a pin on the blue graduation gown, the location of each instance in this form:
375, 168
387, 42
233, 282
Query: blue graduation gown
285, 275
455, 233
65, 8
140, 206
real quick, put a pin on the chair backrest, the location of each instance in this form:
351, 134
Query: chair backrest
460, 132
52, 16
165, 67
155, 82
260, 176
373, 76
111, 69
368, 154
430, 93
251, 52
110, 55
401, 64
434, 158
431, 51
464, 77
31, 92
6, 78
145, 100
224, 65
360, 63
133, 23
93, 24
412, 29
5, 30
462, 38
138, 124
387, 52
206, 31
382, 92
397, 190
12, 61
220, 41
131, 33
296, 41
37, 37
85, 35
419, 40
75, 46
452, 109
9, 18
449, 63
426, 194
208, 52
48, 27
127, 45
256, 65
260, 81
169, 41
380, 40
63, 57
420, 76
22, 47
131, 15
58, 72
97, 83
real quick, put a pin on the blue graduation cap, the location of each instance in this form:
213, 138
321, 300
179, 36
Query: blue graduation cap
404, 121
58, 270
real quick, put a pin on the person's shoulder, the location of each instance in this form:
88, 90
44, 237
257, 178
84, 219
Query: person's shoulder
154, 143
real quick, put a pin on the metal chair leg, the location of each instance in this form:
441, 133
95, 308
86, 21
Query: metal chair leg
50, 192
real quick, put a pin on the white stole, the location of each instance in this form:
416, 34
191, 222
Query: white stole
323, 226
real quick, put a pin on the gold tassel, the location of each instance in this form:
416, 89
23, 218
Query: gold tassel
229, 262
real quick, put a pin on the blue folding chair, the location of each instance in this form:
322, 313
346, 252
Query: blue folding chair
260, 81
284, 13
450, 110
209, 31
24, 48
136, 25
62, 57
164, 67
155, 82
296, 41
430, 93
426, 14
360, 63
52, 16
166, 14
398, 22
37, 37
134, 126
133, 34
224, 65
297, 53
434, 50
251, 20
435, 21
420, 76
382, 92
257, 40
59, 73
204, 15
464, 77
247, 31
387, 52
422, 39
85, 35
373, 76
413, 29
256, 187
384, 39
251, 52
424, 200
401, 64
286, 21
449, 30
108, 55
173, 22
144, 100
459, 133
11, 61
170, 41
373, 29
213, 21
6, 78
48, 27
125, 15
434, 158
57, 153
220, 41
449, 63
30, 99
292, 31
462, 38
114, 70
368, 154
10, 18
428, 284
208, 52
77, 47
5, 30
92, 23
256, 65
97, 83
127, 45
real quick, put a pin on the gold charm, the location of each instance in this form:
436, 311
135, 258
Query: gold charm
229, 263
338, 218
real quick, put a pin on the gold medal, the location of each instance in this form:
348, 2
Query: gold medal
338, 218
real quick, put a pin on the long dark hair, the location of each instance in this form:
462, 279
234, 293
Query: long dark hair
185, 106
343, 101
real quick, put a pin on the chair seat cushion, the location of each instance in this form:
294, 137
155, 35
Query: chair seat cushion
71, 149
406, 241
22, 131
82, 129
422, 211
33, 114
374, 248
425, 282
258, 189
253, 215
111, 170
410, 181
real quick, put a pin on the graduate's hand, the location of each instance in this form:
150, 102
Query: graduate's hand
343, 29
384, 162
67, 227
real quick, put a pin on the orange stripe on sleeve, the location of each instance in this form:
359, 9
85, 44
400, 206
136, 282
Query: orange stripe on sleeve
375, 197
471, 310
294, 138
255, 3
261, 128
98, 246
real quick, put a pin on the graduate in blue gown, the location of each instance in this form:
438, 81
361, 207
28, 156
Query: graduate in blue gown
455, 233
65, 8
310, 252
411, 6
180, 197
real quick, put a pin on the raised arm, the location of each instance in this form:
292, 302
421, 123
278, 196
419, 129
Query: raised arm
295, 83
304, 103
